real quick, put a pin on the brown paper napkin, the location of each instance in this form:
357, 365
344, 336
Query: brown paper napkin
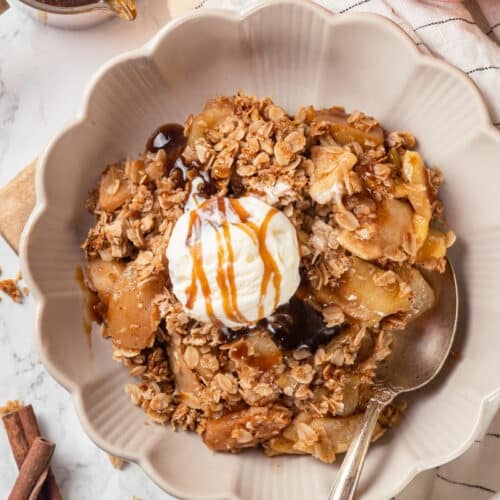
17, 200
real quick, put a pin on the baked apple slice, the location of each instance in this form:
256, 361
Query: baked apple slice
416, 190
344, 132
434, 246
114, 189
245, 428
103, 277
322, 438
395, 219
363, 296
422, 294
214, 112
133, 317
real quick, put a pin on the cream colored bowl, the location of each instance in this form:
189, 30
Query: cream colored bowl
298, 54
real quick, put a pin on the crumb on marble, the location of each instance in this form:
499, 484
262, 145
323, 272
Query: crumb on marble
9, 287
116, 462
11, 406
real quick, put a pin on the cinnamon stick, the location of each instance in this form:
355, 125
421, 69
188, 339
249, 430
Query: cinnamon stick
29, 423
34, 466
16, 436
50, 490
22, 430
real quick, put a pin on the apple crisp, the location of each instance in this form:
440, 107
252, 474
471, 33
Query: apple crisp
366, 219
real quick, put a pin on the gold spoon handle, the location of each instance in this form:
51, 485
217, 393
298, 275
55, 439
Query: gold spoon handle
347, 479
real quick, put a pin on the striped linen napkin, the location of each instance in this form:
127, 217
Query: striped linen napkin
467, 37
446, 29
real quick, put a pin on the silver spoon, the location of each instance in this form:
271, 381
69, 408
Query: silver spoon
418, 353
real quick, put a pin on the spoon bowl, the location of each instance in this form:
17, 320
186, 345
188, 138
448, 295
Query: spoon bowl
419, 352
417, 355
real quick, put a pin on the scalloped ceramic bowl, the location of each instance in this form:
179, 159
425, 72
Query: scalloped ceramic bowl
298, 54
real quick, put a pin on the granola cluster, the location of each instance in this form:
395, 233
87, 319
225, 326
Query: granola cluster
367, 217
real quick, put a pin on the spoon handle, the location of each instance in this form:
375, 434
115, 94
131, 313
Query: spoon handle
347, 479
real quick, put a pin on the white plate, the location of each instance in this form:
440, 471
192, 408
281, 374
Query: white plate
298, 54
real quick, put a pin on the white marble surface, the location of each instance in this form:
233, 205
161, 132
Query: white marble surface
43, 72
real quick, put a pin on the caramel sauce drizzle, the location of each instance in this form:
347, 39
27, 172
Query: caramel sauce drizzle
198, 273
270, 266
230, 301
219, 213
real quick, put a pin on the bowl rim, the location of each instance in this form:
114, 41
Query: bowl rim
490, 402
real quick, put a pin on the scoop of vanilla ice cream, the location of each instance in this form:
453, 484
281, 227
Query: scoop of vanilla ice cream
233, 261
